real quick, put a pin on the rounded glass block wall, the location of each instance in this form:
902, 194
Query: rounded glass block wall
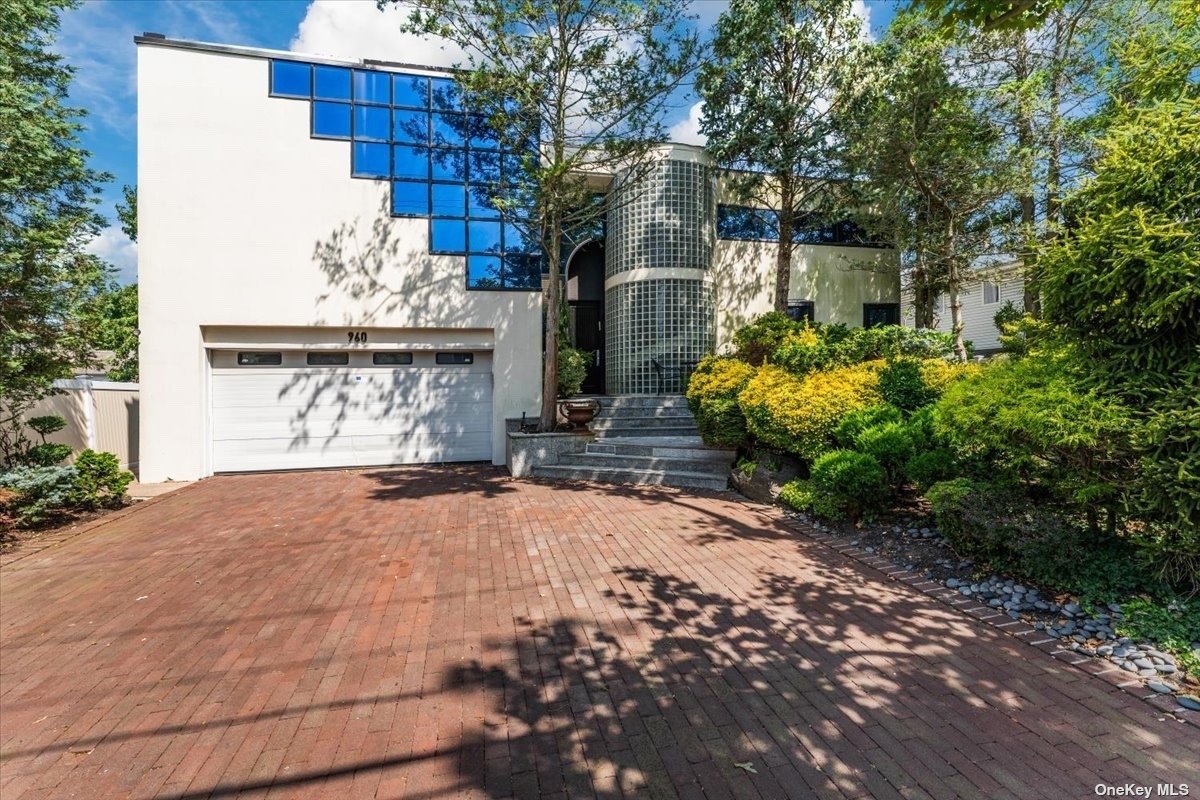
665, 219
658, 300
656, 331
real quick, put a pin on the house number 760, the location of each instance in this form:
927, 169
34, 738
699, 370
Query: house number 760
356, 337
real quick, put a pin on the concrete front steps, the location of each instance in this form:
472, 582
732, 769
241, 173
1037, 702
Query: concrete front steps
643, 439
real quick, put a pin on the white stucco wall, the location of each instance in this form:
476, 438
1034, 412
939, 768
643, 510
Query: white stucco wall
250, 230
839, 280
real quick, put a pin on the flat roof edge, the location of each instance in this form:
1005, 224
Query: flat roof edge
158, 40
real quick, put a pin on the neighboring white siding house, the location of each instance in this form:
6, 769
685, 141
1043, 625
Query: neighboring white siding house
981, 298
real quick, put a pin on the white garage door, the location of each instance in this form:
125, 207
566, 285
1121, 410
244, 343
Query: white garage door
298, 410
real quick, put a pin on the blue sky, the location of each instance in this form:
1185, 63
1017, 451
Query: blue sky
97, 39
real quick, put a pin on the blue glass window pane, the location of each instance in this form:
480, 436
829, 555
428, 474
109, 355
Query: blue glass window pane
447, 236
449, 129
410, 198
484, 236
331, 83
522, 271
449, 200
480, 201
331, 120
483, 272
485, 167
511, 169
519, 239
291, 79
372, 87
372, 123
410, 126
370, 160
482, 133
740, 222
446, 94
410, 162
449, 165
410, 91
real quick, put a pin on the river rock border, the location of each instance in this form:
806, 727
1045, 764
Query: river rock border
999, 617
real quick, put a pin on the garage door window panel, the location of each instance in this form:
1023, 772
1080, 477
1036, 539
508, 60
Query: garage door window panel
259, 359
327, 359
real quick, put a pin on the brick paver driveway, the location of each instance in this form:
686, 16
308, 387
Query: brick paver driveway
451, 633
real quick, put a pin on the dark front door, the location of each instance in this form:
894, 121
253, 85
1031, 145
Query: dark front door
588, 335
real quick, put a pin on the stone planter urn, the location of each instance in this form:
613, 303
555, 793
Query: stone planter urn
578, 412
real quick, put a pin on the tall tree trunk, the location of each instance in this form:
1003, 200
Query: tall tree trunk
1025, 140
953, 280
922, 295
549, 416
783, 255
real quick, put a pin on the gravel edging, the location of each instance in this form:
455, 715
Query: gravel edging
997, 618
23, 551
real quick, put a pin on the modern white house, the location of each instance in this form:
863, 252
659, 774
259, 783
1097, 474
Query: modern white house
324, 281
982, 295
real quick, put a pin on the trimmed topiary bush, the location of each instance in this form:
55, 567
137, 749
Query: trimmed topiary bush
756, 342
854, 423
47, 454
799, 415
712, 395
845, 482
927, 468
903, 386
100, 482
722, 423
891, 445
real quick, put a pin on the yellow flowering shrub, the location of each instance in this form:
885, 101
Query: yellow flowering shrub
938, 374
712, 395
716, 378
798, 415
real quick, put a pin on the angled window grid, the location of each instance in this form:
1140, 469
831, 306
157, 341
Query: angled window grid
443, 163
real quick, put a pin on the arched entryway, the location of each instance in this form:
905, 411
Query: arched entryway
585, 302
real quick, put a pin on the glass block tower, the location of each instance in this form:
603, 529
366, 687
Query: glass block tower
658, 296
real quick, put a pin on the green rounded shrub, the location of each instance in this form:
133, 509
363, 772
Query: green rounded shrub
797, 494
712, 396
847, 482
902, 385
100, 481
891, 445
721, 422
47, 454
927, 468
755, 342
855, 422
572, 369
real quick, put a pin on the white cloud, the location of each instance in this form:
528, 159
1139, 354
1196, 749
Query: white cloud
687, 130
356, 29
113, 246
863, 12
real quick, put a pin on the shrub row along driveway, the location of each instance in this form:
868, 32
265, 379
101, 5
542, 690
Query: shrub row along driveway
449, 632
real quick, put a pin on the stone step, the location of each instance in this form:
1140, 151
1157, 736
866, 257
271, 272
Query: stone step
618, 461
657, 477
638, 401
629, 412
624, 431
602, 423
690, 447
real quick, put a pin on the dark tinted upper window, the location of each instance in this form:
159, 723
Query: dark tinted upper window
456, 358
